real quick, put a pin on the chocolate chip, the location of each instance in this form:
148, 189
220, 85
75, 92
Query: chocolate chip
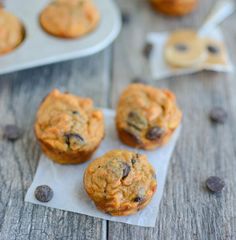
140, 80
126, 170
125, 16
75, 112
133, 161
133, 135
136, 120
213, 49
218, 115
11, 132
138, 199
43, 193
215, 184
181, 47
147, 50
154, 133
69, 137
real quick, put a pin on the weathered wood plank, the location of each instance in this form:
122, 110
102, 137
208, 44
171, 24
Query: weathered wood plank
20, 94
187, 210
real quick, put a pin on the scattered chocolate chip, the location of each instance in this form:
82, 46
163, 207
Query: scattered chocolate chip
215, 184
140, 80
75, 112
43, 193
213, 49
154, 133
181, 47
136, 121
218, 115
125, 18
126, 170
11, 132
147, 50
138, 199
69, 137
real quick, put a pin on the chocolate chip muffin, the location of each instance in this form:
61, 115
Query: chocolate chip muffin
68, 128
11, 32
146, 116
120, 182
69, 18
185, 48
174, 7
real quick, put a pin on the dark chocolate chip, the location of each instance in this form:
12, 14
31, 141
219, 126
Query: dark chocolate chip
75, 112
138, 199
133, 161
215, 184
126, 170
126, 18
154, 133
72, 136
136, 121
140, 80
12, 132
147, 50
213, 49
43, 193
181, 47
218, 115
134, 136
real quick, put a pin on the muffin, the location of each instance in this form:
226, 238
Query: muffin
11, 31
120, 182
174, 7
68, 128
185, 48
146, 117
69, 18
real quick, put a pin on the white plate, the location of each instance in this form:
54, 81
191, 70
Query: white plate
40, 48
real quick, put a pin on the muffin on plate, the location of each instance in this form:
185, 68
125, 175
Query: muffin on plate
184, 48
120, 182
68, 127
11, 31
146, 117
70, 18
174, 7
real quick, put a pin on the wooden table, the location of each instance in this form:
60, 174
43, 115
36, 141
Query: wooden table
187, 210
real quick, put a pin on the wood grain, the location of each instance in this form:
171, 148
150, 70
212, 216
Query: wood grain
188, 210
20, 95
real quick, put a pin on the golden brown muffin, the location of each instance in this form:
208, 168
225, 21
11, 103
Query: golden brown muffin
185, 48
146, 116
68, 128
11, 31
216, 52
120, 182
69, 18
174, 7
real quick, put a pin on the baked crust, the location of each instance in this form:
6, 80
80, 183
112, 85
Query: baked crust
68, 128
120, 182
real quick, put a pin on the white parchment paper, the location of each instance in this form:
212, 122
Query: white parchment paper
161, 69
67, 181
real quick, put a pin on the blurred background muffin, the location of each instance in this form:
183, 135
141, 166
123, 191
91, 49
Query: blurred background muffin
174, 7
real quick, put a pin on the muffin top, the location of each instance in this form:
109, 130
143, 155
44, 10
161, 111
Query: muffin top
69, 123
147, 113
11, 31
69, 18
120, 181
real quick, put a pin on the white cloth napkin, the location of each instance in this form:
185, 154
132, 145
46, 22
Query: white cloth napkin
160, 69
67, 181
